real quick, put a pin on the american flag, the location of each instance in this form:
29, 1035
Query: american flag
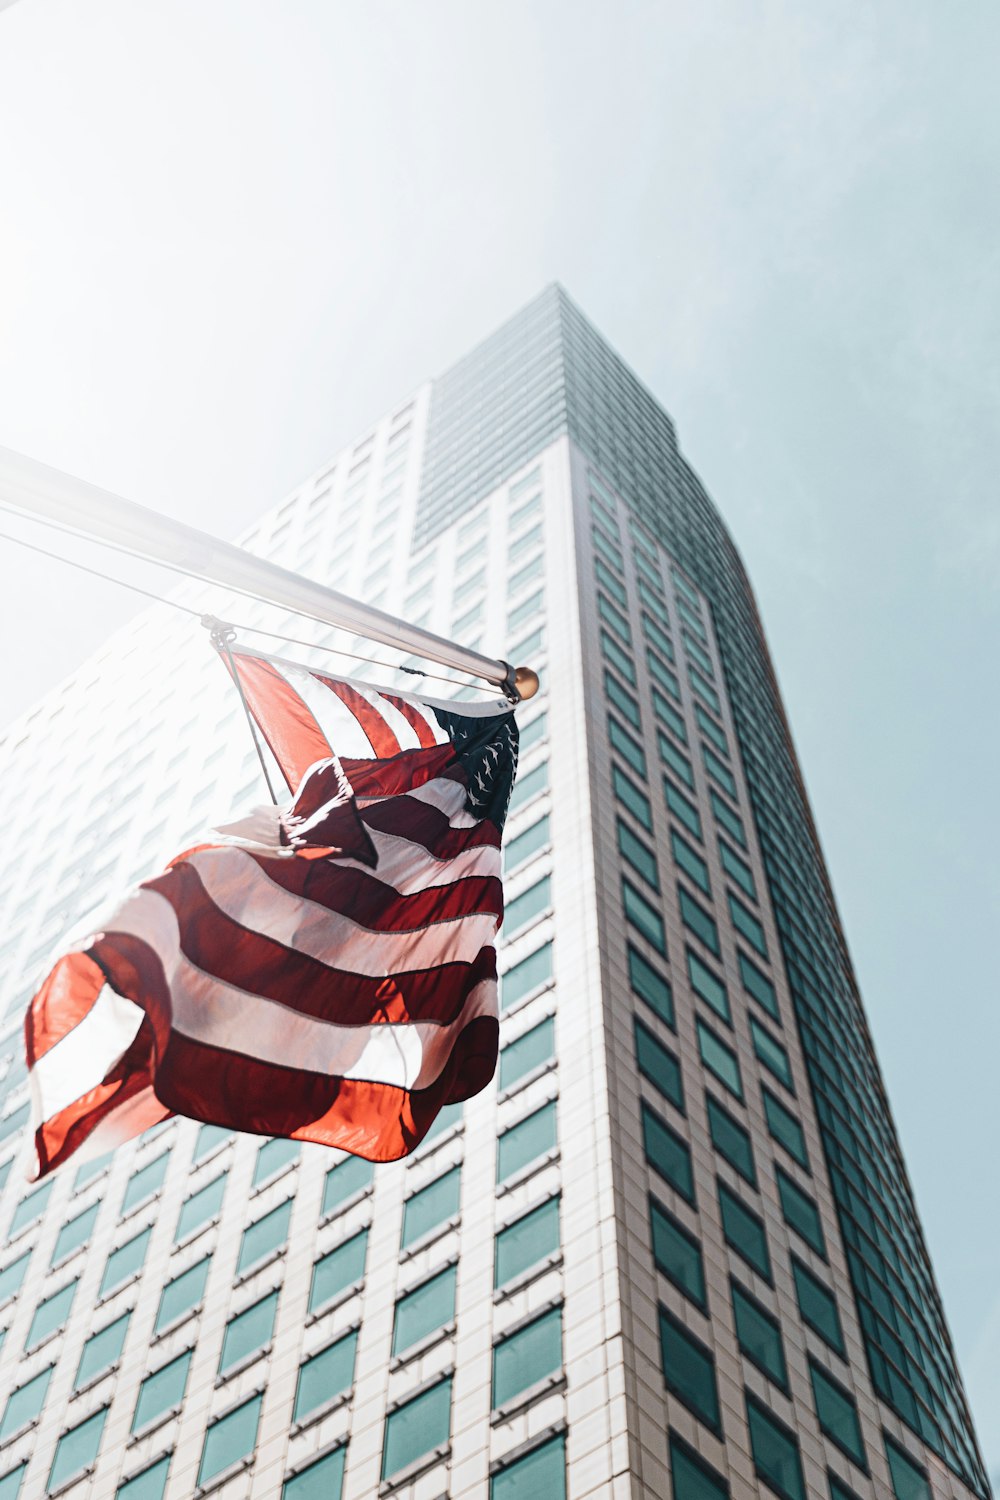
327, 970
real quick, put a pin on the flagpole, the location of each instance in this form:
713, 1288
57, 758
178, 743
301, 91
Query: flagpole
51, 495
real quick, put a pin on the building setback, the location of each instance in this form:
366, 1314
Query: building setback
674, 1250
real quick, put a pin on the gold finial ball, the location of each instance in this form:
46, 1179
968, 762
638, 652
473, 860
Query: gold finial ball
526, 682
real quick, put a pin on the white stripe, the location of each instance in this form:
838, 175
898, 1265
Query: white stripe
341, 729
447, 795
84, 1056
408, 867
401, 728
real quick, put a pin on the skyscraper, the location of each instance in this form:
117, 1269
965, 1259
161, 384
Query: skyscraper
674, 1251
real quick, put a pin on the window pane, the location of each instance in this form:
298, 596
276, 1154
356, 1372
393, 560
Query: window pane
50, 1315
528, 975
533, 901
708, 985
10, 1483
727, 819
757, 985
526, 844
674, 760
447, 1116
667, 1153
662, 674
348, 1177
698, 920
719, 1059
265, 1236
746, 923
542, 1472
533, 733
30, 1208
526, 1357
526, 1242
125, 1262
75, 1233
800, 1212
719, 772
182, 1294
667, 714
77, 1449
532, 1050
658, 1065
690, 861
25, 1403
325, 1376
424, 1310
526, 1142
677, 1254
730, 1140
529, 786
151, 1484
837, 1413
644, 917
248, 1333
340, 1268
759, 1336
650, 986
704, 689
637, 854
144, 1183
433, 1205
608, 581
737, 869
682, 809
102, 1351
818, 1306
161, 1392
12, 1276
657, 636
785, 1128
630, 796
626, 746
272, 1156
413, 1430
200, 1208
708, 727
771, 1053
689, 1371
744, 1231
775, 1452
622, 700
229, 1440
616, 657
323, 1480
909, 1480
692, 1478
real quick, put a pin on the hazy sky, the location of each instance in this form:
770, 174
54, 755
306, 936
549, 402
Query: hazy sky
235, 232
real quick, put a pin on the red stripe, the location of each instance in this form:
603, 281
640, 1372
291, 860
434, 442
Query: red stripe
64, 1000
407, 770
381, 738
288, 725
414, 718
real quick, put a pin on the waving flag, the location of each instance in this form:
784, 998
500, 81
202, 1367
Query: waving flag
327, 972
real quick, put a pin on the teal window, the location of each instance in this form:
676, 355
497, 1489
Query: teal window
76, 1233
209, 1137
231, 1440
528, 1241
340, 1268
10, 1483
737, 869
772, 1054
683, 810
322, 1480
429, 1307
531, 1051
614, 618
630, 796
692, 1478
471, 585
608, 581
101, 1352
683, 587
418, 1428
719, 772
616, 657
248, 1333
818, 1307
344, 1181
182, 1295
708, 986
838, 1489
744, 1232
698, 921
521, 613
432, 1206
201, 1208
731, 1140
657, 636
529, 786
626, 746
689, 1371
690, 618
125, 1262
838, 1414
635, 852
801, 1213
727, 819
24, 1405
706, 692
785, 1128
669, 716
697, 653
667, 1153
30, 1209
759, 1336
265, 1236
325, 1376
607, 549
690, 861
50, 1315
524, 978
775, 1452
658, 1065
148, 1484
77, 1450
623, 701
644, 917
719, 1059
533, 733
13, 1122
526, 1142
542, 1471
649, 984
674, 760
746, 923
677, 1254
652, 602
526, 844
272, 1157
604, 514
530, 904
662, 673
758, 986
710, 729
909, 1479
144, 1183
526, 1357
161, 1392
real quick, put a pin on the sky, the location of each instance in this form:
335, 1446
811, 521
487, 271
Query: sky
235, 232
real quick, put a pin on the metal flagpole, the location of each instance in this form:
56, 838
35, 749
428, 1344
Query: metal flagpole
41, 491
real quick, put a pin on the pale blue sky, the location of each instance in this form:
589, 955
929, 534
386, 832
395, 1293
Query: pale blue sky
235, 232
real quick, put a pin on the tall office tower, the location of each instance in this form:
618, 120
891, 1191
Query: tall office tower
673, 1252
